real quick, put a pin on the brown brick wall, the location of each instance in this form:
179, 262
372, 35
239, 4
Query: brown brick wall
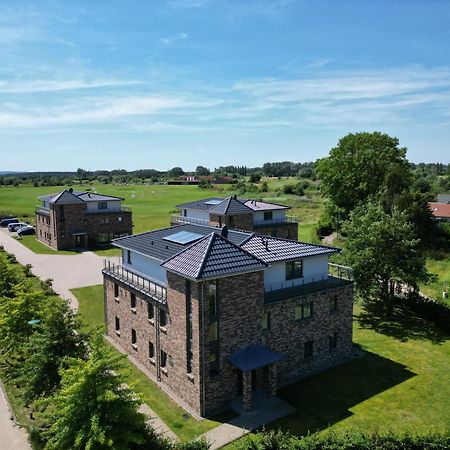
44, 229
286, 231
73, 221
95, 225
288, 336
235, 222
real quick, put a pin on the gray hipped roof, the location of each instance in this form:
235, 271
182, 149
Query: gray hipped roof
211, 257
65, 197
68, 197
230, 206
271, 249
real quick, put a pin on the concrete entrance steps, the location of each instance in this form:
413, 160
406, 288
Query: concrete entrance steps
264, 410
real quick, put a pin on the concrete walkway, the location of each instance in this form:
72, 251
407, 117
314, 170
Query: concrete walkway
264, 410
12, 437
66, 271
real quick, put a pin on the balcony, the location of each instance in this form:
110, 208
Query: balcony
176, 218
338, 276
42, 210
122, 209
145, 286
282, 221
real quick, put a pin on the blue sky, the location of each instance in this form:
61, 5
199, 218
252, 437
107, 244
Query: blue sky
154, 84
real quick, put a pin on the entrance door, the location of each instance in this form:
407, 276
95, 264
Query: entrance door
80, 240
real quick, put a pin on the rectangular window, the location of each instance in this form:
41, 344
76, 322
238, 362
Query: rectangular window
294, 270
163, 359
61, 212
268, 215
150, 311
332, 341
304, 311
133, 301
265, 321
185, 212
104, 220
128, 256
212, 332
102, 205
133, 337
116, 291
231, 221
212, 299
162, 318
333, 303
151, 350
309, 349
103, 237
117, 325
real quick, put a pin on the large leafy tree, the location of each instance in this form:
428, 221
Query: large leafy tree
94, 409
361, 166
55, 339
384, 253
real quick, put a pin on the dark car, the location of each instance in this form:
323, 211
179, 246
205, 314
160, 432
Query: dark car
26, 230
5, 222
16, 226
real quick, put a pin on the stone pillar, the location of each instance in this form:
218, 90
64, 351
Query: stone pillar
247, 391
273, 382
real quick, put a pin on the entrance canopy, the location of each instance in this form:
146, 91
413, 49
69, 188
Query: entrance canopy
254, 357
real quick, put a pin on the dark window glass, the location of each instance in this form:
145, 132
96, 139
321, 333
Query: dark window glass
133, 336
61, 212
117, 324
150, 311
212, 298
304, 311
333, 303
268, 215
102, 205
151, 350
265, 321
162, 318
309, 349
294, 269
332, 341
128, 257
163, 359
133, 300
116, 290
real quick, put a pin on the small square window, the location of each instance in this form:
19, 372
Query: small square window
294, 270
309, 349
102, 205
268, 215
304, 311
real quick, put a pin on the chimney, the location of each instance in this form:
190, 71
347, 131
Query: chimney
71, 190
224, 232
235, 196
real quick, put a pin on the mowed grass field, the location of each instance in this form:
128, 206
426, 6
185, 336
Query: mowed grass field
152, 205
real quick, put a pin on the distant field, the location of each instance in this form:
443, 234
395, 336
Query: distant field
153, 204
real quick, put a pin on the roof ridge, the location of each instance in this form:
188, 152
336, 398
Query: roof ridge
276, 238
212, 238
204, 238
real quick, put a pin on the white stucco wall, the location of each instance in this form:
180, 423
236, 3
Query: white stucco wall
195, 214
314, 268
145, 266
278, 215
112, 205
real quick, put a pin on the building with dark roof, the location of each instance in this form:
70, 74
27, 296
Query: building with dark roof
243, 214
79, 219
214, 313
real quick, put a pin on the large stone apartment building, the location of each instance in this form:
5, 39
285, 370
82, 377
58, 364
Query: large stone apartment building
240, 214
73, 219
216, 314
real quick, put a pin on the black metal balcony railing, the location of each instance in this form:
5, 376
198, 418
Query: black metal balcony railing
141, 284
122, 209
176, 218
281, 221
338, 276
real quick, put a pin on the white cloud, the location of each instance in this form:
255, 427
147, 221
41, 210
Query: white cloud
172, 39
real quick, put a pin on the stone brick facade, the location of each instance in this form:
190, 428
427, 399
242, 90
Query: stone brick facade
240, 308
286, 230
235, 221
61, 224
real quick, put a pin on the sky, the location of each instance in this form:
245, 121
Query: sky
110, 84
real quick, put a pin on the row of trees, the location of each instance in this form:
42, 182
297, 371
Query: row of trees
74, 381
384, 220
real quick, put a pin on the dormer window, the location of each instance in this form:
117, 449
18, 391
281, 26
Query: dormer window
294, 270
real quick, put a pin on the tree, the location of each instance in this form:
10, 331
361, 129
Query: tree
8, 279
201, 171
56, 338
361, 166
384, 253
94, 408
255, 177
176, 172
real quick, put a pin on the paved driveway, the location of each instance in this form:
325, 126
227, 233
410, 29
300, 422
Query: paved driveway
67, 271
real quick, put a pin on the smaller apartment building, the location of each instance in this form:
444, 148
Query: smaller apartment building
239, 214
74, 219
216, 314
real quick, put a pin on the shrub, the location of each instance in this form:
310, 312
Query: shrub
27, 270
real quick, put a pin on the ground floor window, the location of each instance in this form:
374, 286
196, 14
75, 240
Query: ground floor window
133, 337
117, 325
151, 350
309, 349
332, 341
163, 360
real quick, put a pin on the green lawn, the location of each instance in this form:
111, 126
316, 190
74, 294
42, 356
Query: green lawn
440, 267
182, 424
401, 384
38, 247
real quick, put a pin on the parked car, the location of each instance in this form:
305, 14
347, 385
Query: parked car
26, 230
5, 222
15, 226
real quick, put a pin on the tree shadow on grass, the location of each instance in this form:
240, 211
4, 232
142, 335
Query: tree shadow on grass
326, 398
403, 325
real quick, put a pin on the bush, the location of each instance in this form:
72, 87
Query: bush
264, 186
27, 270
294, 189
